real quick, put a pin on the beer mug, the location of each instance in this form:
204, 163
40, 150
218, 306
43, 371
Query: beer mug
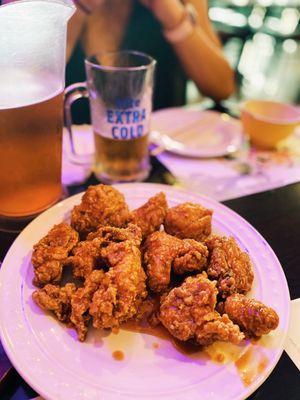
31, 106
119, 87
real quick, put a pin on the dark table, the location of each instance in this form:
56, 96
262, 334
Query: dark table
276, 215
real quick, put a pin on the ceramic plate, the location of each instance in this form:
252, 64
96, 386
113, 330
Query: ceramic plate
59, 367
195, 133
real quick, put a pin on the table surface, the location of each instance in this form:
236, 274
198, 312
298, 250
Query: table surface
276, 215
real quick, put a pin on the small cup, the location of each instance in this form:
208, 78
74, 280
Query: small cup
268, 122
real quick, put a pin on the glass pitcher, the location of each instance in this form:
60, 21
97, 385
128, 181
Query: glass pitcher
32, 69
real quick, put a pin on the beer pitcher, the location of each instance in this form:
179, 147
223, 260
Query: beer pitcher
32, 69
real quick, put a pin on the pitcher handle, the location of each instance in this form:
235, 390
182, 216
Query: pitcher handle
72, 93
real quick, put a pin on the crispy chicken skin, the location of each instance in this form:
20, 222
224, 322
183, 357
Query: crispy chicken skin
150, 216
101, 205
87, 254
86, 257
253, 317
80, 303
163, 252
56, 299
192, 256
189, 221
160, 249
51, 252
188, 313
122, 288
110, 234
229, 265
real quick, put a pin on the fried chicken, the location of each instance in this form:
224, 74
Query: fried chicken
109, 234
252, 316
189, 221
163, 252
150, 216
192, 256
50, 253
86, 257
56, 299
160, 249
188, 313
101, 205
87, 254
81, 301
229, 265
122, 288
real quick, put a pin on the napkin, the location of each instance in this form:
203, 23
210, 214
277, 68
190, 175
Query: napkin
292, 343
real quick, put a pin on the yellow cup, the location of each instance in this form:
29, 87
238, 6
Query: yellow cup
268, 122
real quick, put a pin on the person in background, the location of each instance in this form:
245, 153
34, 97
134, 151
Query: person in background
178, 34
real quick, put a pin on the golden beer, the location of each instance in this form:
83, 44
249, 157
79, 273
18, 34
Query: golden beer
30, 157
124, 160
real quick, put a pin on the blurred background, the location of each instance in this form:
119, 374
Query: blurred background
261, 41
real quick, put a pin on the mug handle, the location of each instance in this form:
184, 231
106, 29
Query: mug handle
72, 93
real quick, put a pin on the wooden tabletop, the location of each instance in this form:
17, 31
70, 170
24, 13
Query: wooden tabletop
276, 215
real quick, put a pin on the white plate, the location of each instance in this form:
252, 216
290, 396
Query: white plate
195, 133
58, 367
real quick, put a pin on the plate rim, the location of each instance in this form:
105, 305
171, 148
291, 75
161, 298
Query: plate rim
12, 355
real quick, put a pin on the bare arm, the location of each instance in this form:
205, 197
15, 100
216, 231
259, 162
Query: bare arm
200, 53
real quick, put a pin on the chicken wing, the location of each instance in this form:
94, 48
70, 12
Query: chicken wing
122, 288
188, 313
110, 234
81, 301
101, 205
163, 252
189, 221
150, 216
252, 316
229, 265
87, 254
56, 299
51, 252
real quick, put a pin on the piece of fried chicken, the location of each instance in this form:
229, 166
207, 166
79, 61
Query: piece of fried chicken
229, 265
56, 299
189, 221
253, 317
163, 252
188, 313
87, 254
109, 234
101, 205
81, 301
50, 254
122, 288
150, 216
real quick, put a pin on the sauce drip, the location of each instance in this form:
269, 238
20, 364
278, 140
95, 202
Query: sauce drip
250, 365
118, 355
160, 332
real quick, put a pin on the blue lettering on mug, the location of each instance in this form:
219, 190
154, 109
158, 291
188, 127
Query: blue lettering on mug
110, 115
127, 119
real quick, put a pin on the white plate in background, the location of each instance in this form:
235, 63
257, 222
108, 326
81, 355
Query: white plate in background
196, 133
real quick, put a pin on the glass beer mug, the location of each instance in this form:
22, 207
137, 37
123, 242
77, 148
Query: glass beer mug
119, 87
32, 70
